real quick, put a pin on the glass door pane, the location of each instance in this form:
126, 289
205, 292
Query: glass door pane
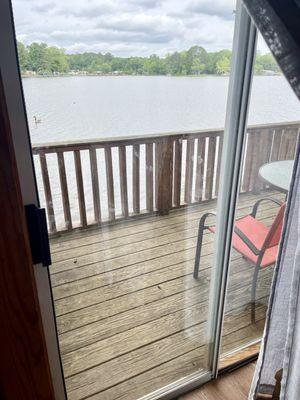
127, 149
273, 128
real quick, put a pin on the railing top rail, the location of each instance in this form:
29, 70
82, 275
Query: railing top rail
120, 140
143, 139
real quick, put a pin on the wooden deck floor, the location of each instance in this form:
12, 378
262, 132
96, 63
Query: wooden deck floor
131, 317
234, 385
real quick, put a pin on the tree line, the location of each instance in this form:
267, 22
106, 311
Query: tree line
46, 60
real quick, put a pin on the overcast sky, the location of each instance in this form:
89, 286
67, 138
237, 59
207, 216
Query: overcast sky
126, 27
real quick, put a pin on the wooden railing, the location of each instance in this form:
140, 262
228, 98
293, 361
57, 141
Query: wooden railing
124, 177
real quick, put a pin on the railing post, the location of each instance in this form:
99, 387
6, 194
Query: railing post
164, 158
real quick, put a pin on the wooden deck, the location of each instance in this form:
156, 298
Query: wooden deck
234, 385
131, 317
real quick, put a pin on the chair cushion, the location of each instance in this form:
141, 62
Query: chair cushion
256, 232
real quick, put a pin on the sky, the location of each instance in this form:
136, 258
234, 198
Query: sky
126, 27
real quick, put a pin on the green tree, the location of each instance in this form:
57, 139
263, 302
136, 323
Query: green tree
105, 67
197, 67
173, 63
196, 60
134, 65
57, 59
266, 62
153, 66
23, 56
37, 58
214, 58
223, 66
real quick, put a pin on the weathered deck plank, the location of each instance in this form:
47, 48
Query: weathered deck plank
153, 231
138, 225
90, 280
171, 371
130, 315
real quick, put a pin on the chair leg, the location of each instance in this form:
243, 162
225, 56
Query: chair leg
253, 293
199, 246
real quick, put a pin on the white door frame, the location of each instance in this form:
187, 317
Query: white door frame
243, 56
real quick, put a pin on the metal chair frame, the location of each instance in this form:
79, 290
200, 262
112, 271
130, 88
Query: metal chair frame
259, 252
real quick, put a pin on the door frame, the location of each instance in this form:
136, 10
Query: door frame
24, 367
16, 110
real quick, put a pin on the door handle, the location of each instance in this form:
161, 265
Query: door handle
38, 234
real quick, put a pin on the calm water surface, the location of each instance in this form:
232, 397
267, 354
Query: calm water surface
95, 107
72, 108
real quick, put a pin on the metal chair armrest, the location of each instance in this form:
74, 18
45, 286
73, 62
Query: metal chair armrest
257, 204
203, 218
201, 228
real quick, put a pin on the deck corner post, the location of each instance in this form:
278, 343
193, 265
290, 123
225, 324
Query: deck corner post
164, 163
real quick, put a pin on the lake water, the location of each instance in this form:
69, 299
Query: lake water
96, 107
72, 108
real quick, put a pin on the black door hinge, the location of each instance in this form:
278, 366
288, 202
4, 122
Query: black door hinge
38, 234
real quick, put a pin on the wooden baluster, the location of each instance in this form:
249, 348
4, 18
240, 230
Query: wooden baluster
177, 172
123, 180
255, 162
200, 169
263, 140
293, 143
210, 169
149, 176
136, 178
95, 184
277, 138
247, 176
220, 149
291, 140
163, 154
189, 166
47, 191
267, 141
64, 190
284, 146
157, 163
110, 184
80, 188
171, 149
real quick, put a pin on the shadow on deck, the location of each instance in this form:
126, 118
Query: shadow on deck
131, 317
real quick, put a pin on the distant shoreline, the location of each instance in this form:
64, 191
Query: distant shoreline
24, 75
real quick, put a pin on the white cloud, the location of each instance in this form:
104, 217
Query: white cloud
126, 27
220, 8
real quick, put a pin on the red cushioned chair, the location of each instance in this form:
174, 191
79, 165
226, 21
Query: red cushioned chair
252, 239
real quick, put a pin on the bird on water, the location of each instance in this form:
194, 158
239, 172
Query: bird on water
36, 120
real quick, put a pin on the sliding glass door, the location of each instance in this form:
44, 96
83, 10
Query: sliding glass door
139, 180
265, 175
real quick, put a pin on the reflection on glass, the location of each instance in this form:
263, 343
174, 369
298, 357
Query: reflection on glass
265, 178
